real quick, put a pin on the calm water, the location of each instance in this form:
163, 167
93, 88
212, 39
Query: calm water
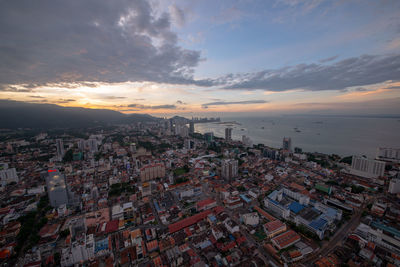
339, 135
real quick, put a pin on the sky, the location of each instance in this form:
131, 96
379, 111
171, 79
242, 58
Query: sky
167, 57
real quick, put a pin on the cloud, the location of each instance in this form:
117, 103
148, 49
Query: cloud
224, 103
104, 41
139, 106
14, 89
36, 96
360, 89
356, 71
177, 15
65, 100
127, 110
394, 87
304, 5
109, 97
324, 60
179, 102
228, 15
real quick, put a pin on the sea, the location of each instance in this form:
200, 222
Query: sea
341, 135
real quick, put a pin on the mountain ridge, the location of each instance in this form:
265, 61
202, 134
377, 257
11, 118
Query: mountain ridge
18, 114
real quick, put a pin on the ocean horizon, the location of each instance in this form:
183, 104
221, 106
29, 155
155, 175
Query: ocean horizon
341, 135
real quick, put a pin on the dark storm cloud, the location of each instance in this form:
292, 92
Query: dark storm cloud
357, 71
139, 106
223, 103
46, 42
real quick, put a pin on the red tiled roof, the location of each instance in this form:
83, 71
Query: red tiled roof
295, 254
187, 232
175, 227
286, 238
157, 261
112, 226
205, 202
229, 246
152, 245
49, 230
264, 213
274, 225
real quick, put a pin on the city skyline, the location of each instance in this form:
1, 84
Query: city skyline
170, 57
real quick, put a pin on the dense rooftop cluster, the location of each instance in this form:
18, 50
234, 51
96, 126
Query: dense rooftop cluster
160, 194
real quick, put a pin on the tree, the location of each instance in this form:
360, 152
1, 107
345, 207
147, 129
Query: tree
57, 258
69, 156
347, 160
241, 188
64, 233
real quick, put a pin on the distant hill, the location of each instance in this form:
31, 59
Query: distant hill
16, 114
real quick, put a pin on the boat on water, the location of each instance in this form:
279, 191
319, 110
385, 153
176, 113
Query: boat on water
262, 127
297, 130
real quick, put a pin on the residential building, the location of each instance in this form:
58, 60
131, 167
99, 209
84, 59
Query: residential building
8, 175
229, 169
367, 168
56, 188
60, 148
209, 137
394, 186
378, 236
277, 208
191, 127
251, 219
274, 228
388, 154
287, 144
228, 134
152, 171
285, 240
247, 141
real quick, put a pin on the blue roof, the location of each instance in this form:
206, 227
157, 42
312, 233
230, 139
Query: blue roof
318, 224
245, 198
212, 218
331, 212
231, 237
296, 207
205, 244
156, 206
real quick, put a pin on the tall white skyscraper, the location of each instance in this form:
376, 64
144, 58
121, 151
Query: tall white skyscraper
388, 154
247, 141
56, 188
287, 144
229, 169
191, 127
228, 134
60, 147
367, 168
92, 143
7, 175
